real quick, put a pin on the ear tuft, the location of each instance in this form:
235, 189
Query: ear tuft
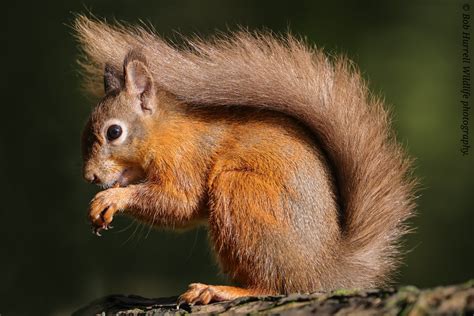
112, 79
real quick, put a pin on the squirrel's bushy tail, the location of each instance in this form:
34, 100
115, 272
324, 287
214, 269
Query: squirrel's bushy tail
284, 74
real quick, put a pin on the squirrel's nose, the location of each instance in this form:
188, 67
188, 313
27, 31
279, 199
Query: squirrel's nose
91, 177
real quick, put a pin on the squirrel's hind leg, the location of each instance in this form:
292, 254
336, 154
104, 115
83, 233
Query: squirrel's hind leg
202, 294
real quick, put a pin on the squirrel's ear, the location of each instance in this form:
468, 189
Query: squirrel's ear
112, 79
138, 81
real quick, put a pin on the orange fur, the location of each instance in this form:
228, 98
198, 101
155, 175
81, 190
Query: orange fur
283, 152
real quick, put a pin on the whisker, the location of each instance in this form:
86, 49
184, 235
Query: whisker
132, 234
124, 229
193, 246
151, 226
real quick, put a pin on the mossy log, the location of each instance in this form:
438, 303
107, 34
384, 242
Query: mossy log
408, 300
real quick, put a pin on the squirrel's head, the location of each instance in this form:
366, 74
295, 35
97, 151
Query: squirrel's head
116, 132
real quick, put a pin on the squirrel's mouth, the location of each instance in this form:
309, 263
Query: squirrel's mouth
129, 176
121, 181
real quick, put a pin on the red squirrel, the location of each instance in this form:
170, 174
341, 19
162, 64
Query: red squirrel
279, 149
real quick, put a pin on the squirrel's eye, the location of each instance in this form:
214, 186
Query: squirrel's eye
114, 132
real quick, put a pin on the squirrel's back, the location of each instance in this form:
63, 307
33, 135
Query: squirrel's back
371, 171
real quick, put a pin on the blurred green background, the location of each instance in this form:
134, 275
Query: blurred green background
51, 263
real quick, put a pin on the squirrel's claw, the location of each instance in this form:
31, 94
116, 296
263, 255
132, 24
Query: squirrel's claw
96, 231
104, 206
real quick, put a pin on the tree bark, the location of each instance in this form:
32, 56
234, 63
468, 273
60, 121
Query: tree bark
408, 300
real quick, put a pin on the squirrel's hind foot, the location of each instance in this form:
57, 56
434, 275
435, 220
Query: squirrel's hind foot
202, 294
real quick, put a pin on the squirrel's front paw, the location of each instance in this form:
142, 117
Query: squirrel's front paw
104, 205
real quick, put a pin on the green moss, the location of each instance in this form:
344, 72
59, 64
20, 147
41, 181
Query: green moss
404, 300
469, 283
344, 292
